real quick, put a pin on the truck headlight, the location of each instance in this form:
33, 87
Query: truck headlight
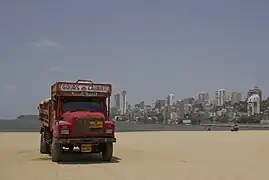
109, 131
65, 131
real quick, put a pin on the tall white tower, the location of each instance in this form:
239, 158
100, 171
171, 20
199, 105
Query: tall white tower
117, 101
254, 105
124, 102
171, 100
221, 97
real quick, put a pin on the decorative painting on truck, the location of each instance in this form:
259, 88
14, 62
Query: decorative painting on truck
103, 88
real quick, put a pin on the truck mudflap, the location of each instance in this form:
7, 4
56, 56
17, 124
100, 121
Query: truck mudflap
84, 140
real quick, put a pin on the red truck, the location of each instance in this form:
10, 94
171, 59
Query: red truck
76, 116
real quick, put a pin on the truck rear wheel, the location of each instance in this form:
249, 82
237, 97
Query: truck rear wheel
107, 151
44, 147
56, 151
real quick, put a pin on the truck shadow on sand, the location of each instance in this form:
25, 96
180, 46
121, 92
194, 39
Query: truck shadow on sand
82, 159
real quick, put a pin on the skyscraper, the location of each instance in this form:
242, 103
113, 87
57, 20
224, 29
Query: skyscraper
255, 90
221, 97
171, 100
189, 100
124, 100
253, 104
203, 96
236, 97
160, 103
117, 101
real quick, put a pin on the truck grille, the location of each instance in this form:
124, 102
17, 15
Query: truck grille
84, 125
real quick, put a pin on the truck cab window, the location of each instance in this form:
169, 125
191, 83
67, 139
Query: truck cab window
92, 104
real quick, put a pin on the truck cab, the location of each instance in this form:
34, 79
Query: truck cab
77, 115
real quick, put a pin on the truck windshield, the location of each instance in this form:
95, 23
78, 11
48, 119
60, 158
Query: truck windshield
92, 104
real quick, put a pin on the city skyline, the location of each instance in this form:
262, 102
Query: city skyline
233, 96
211, 95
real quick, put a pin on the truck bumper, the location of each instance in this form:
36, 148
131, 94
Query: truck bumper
91, 140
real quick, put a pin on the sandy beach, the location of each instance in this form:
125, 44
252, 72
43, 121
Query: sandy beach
189, 155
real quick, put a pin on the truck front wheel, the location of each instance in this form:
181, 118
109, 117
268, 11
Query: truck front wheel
56, 151
107, 151
44, 147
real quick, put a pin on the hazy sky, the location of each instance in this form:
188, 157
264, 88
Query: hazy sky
203, 44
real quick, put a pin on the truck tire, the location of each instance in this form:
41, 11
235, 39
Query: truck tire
44, 147
107, 152
56, 151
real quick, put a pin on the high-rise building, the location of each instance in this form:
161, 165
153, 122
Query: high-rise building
117, 101
160, 103
171, 99
142, 104
253, 104
221, 97
203, 96
124, 102
189, 100
255, 90
236, 97
180, 109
